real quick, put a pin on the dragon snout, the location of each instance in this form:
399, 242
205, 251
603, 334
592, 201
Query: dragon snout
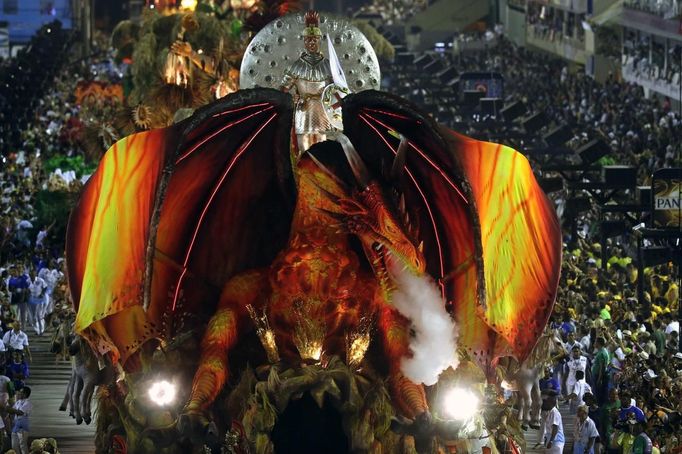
406, 255
418, 260
419, 264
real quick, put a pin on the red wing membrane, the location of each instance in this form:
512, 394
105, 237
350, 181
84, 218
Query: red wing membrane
171, 214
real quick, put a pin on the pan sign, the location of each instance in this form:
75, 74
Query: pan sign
666, 187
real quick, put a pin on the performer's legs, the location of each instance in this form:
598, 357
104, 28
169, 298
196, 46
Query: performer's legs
535, 405
543, 417
20, 442
34, 316
23, 315
49, 308
42, 308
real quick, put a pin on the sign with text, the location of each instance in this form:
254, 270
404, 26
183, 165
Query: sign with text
666, 190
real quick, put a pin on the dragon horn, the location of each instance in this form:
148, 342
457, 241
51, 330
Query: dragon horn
399, 160
358, 167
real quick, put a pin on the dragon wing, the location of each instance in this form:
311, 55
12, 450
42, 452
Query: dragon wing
170, 214
491, 236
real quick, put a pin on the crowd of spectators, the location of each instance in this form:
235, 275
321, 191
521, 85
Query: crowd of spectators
38, 96
663, 8
641, 132
393, 11
554, 24
618, 356
32, 291
32, 295
650, 60
27, 78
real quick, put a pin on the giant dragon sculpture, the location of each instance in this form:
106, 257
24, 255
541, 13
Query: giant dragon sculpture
276, 270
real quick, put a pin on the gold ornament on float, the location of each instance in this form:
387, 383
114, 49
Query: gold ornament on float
265, 334
357, 343
309, 331
178, 69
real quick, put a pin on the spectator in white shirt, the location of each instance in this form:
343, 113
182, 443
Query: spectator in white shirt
40, 238
16, 339
51, 276
554, 428
576, 393
585, 433
20, 428
42, 234
575, 363
571, 342
37, 303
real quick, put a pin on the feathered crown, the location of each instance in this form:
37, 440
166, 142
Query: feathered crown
312, 24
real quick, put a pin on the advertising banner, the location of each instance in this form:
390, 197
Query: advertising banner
667, 199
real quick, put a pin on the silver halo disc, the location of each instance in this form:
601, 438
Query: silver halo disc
280, 43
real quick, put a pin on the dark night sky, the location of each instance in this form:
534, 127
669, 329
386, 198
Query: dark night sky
332, 5
108, 13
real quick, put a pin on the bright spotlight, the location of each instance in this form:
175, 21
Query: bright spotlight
188, 4
162, 393
460, 404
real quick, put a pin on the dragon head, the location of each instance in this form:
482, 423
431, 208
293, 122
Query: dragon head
387, 241
384, 229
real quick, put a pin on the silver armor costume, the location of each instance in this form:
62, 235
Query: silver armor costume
306, 78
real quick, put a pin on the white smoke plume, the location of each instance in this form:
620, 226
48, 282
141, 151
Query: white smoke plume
434, 347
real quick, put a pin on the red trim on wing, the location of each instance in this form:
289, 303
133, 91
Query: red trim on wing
427, 159
435, 231
390, 114
237, 155
239, 109
227, 126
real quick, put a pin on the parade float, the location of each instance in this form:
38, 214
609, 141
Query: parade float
308, 264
